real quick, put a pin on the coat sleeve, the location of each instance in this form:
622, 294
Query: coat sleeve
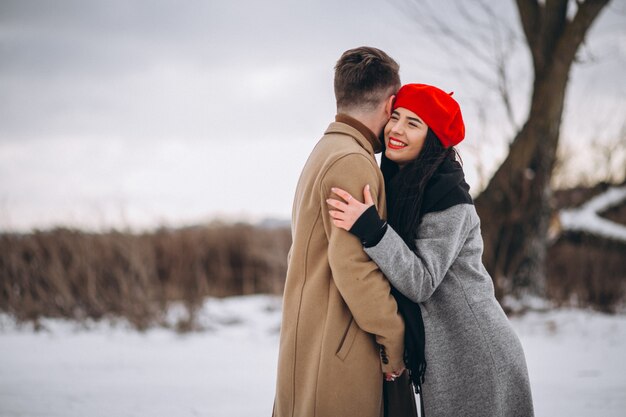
440, 238
362, 285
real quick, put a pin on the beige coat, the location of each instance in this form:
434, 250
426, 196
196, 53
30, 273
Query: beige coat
341, 329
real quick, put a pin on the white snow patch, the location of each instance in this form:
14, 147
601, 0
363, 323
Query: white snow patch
519, 305
586, 218
575, 359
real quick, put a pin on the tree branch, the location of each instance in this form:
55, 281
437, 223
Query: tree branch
452, 34
556, 17
553, 24
505, 93
530, 16
575, 31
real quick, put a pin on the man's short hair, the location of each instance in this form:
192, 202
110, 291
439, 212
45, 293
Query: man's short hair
364, 77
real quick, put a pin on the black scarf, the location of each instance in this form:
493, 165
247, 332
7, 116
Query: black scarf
446, 188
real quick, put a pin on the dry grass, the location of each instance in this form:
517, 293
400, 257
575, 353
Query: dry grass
587, 271
68, 273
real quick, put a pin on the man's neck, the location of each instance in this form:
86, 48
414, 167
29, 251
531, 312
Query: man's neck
369, 120
364, 130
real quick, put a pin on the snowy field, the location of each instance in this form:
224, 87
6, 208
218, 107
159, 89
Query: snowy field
576, 362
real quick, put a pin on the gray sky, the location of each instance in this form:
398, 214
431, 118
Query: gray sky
139, 113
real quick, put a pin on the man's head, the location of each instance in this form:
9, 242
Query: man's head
365, 78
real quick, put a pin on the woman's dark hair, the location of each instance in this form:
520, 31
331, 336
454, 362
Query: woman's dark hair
405, 187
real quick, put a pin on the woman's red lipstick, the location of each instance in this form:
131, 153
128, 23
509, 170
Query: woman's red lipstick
392, 146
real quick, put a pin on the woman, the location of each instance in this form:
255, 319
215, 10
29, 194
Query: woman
431, 252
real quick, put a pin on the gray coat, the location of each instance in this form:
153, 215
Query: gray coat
475, 362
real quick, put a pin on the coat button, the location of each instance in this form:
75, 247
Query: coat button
385, 360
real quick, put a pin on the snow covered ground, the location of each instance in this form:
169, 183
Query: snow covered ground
575, 358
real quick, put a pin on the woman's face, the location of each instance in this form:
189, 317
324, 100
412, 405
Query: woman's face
405, 133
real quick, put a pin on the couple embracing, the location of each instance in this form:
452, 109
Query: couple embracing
386, 292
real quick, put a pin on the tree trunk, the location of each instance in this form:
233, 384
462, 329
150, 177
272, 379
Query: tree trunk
515, 207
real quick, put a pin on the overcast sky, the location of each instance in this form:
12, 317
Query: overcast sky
141, 113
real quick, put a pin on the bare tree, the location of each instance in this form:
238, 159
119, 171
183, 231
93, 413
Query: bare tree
517, 199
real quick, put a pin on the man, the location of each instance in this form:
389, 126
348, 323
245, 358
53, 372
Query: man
341, 329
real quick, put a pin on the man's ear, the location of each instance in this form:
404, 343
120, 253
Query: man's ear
389, 105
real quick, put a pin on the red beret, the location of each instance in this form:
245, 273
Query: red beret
436, 108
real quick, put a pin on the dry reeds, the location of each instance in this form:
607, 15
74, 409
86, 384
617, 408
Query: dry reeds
587, 271
68, 273
583, 269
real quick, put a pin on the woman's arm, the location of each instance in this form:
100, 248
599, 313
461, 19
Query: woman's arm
440, 237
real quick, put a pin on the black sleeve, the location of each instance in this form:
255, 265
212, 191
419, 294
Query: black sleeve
369, 227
